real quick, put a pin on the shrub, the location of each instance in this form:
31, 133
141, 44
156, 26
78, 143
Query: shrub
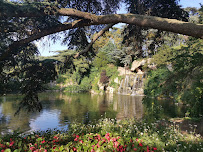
103, 77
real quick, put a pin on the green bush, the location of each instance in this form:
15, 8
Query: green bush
155, 80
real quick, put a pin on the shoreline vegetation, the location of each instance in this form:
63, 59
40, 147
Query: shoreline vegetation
107, 135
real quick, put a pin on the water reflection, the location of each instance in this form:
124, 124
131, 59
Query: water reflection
61, 109
129, 107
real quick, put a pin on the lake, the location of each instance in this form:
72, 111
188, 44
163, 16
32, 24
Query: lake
59, 110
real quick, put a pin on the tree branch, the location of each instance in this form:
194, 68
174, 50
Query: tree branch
172, 25
38, 35
100, 33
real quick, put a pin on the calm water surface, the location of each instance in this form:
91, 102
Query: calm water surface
59, 110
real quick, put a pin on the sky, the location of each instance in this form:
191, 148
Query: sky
47, 48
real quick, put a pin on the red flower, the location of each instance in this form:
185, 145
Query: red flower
135, 149
76, 139
154, 148
55, 137
140, 144
11, 143
74, 149
104, 140
148, 149
77, 136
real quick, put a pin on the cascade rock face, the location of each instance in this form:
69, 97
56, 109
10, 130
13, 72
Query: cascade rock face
132, 85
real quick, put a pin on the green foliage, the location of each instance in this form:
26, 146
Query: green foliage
164, 55
111, 71
155, 80
84, 86
137, 37
61, 78
101, 60
184, 81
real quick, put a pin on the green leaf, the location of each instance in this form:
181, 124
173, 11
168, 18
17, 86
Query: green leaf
7, 150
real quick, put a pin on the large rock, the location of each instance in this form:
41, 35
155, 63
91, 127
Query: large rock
136, 64
124, 71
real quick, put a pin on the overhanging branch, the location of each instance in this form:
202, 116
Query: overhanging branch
164, 24
100, 33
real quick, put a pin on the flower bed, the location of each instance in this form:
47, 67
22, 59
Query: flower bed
105, 135
89, 142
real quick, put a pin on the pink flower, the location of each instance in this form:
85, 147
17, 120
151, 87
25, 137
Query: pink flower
98, 145
135, 149
76, 139
32, 148
77, 136
43, 141
116, 144
154, 148
114, 139
92, 150
74, 149
107, 137
81, 142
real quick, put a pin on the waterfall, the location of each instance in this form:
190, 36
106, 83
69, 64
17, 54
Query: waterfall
125, 87
119, 89
132, 85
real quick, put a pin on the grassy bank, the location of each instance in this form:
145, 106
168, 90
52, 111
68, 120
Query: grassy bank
106, 135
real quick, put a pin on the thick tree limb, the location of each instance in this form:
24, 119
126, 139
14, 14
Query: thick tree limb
172, 25
100, 33
43, 9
